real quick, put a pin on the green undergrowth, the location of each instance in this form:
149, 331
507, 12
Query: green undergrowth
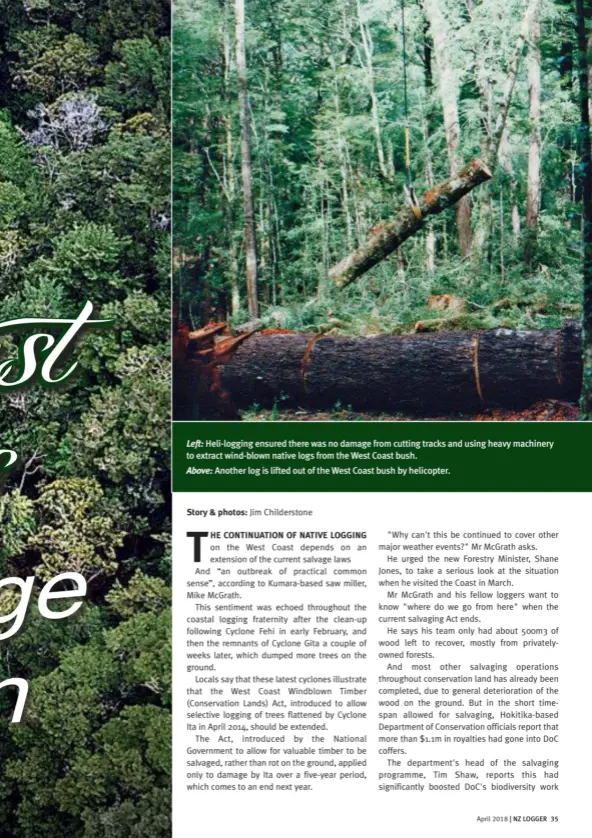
541, 299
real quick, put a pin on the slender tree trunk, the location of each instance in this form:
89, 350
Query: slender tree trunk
482, 232
368, 48
502, 238
430, 242
323, 211
247, 161
449, 94
533, 189
229, 174
343, 167
483, 228
506, 159
345, 193
495, 132
235, 301
530, 14
515, 221
586, 160
263, 241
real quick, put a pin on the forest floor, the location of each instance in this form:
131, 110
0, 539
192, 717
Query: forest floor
546, 411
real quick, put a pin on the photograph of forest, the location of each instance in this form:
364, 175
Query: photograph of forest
382, 209
85, 215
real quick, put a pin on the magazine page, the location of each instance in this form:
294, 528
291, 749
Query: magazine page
381, 404
347, 246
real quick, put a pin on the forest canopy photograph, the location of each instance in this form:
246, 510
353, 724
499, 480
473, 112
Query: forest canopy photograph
85, 216
382, 210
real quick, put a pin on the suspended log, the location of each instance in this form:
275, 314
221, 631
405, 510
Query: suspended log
423, 374
387, 236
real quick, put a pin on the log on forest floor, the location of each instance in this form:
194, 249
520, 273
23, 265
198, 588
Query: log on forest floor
387, 236
423, 374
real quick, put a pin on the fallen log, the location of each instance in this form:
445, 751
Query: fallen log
387, 236
422, 374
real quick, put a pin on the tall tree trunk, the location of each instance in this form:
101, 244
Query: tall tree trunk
343, 156
228, 161
449, 94
430, 242
506, 158
323, 211
368, 62
533, 190
585, 155
530, 15
483, 227
496, 143
247, 161
235, 300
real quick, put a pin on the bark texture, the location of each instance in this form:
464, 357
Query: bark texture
425, 374
387, 236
